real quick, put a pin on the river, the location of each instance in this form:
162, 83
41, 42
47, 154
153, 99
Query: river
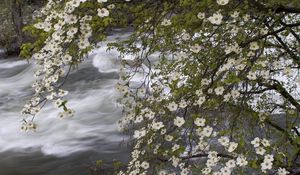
62, 146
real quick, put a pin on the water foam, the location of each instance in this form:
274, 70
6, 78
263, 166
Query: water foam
94, 101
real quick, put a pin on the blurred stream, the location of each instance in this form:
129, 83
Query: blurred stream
61, 146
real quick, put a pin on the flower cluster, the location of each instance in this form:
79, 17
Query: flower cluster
64, 28
215, 74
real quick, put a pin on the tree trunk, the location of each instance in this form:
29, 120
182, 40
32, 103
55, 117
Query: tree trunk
17, 19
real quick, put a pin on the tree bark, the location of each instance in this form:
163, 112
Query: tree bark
17, 19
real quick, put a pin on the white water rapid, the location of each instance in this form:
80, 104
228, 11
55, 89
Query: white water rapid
61, 146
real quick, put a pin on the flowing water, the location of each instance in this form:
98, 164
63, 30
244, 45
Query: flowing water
61, 146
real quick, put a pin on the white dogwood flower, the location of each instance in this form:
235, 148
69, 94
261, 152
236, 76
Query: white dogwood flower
196, 48
179, 121
199, 122
216, 18
222, 2
282, 171
172, 106
103, 12
166, 22
201, 15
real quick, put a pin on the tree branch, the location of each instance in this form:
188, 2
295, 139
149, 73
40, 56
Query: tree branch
277, 8
281, 90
